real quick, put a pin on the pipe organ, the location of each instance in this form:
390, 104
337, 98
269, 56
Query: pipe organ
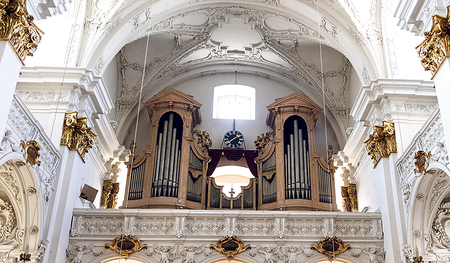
293, 175
173, 171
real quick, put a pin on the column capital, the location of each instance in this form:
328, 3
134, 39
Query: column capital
436, 47
17, 27
382, 143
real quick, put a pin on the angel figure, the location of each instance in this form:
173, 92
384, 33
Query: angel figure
291, 253
268, 254
190, 252
75, 253
165, 252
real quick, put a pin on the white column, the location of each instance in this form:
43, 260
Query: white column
391, 207
442, 85
9, 73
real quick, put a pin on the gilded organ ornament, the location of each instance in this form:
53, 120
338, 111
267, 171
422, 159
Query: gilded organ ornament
125, 245
203, 139
230, 246
436, 46
331, 247
346, 201
31, 149
107, 187
17, 27
382, 142
263, 139
77, 136
422, 162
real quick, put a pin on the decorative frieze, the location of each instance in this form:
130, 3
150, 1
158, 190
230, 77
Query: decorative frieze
17, 27
77, 136
436, 47
382, 143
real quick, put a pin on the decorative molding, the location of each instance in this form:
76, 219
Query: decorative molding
17, 27
382, 143
8, 229
435, 48
76, 135
230, 246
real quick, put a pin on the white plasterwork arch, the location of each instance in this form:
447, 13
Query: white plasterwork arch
425, 200
19, 182
105, 47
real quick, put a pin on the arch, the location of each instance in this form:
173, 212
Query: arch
431, 188
19, 182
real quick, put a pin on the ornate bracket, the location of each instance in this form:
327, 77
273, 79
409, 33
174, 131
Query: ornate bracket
230, 246
17, 27
77, 136
263, 139
422, 162
331, 247
436, 47
31, 149
382, 143
203, 139
125, 245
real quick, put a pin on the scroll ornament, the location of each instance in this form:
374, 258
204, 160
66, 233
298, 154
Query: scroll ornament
436, 47
125, 245
382, 143
76, 135
31, 149
263, 139
203, 139
230, 246
17, 27
331, 247
422, 162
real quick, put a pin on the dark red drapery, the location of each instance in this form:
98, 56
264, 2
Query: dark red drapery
232, 155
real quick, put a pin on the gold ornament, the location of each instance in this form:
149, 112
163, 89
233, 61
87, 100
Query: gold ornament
330, 247
422, 162
230, 246
353, 197
346, 201
112, 198
382, 142
17, 27
31, 149
125, 245
203, 139
107, 187
263, 139
77, 136
436, 47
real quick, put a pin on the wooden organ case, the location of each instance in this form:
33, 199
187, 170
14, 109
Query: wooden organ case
291, 174
171, 173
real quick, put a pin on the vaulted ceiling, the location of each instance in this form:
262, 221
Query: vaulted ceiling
212, 39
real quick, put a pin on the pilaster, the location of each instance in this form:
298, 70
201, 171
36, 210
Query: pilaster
442, 81
10, 66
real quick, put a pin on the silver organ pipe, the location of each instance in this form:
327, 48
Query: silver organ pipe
136, 182
297, 171
325, 190
165, 178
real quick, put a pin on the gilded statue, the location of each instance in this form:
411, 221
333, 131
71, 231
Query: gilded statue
107, 187
346, 202
203, 139
112, 198
263, 139
382, 142
76, 135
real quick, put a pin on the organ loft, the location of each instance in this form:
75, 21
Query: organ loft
175, 170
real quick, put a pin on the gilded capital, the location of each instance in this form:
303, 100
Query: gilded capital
76, 135
436, 46
382, 142
17, 27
